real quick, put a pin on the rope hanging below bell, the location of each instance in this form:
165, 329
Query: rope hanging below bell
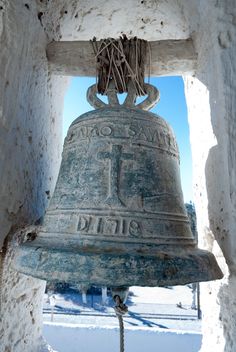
121, 61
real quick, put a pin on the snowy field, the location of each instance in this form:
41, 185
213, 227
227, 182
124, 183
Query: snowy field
159, 318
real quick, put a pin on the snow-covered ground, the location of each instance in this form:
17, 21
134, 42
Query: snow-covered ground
73, 338
160, 318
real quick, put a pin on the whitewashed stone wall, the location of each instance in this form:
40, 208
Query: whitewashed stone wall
30, 147
30, 136
82, 20
211, 98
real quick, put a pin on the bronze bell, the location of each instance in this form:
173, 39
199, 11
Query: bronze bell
117, 216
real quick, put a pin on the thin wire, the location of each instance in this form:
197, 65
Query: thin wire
132, 74
114, 65
95, 49
150, 60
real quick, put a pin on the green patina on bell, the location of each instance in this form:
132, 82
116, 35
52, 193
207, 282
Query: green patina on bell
117, 216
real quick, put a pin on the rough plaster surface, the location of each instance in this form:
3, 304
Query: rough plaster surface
30, 146
21, 307
82, 20
211, 105
30, 118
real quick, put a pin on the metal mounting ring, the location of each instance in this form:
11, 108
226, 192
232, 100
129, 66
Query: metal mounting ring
151, 100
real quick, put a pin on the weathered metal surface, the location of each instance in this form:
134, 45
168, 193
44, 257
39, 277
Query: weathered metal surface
167, 266
117, 216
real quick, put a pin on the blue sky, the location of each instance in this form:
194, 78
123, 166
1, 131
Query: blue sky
172, 107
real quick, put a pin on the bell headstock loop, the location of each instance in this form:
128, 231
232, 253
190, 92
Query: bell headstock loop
153, 96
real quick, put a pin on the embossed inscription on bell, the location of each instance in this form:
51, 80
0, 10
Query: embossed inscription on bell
120, 176
117, 216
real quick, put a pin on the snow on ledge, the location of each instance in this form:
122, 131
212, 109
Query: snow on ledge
90, 338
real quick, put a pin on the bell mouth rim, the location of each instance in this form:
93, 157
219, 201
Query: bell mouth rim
166, 267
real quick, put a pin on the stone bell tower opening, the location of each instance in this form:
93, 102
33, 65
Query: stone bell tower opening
194, 39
